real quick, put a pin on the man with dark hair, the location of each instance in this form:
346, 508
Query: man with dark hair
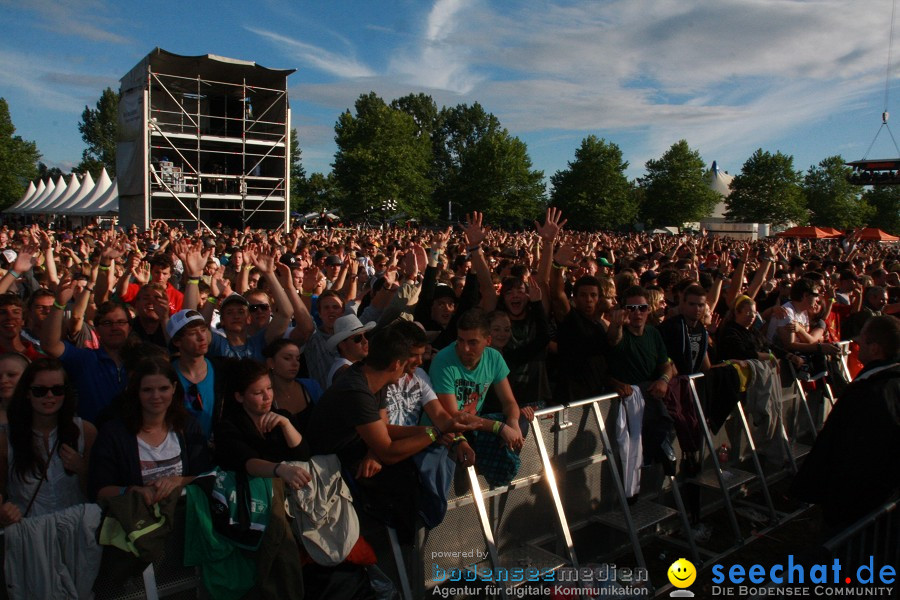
791, 333
12, 320
637, 353
581, 340
98, 375
685, 336
461, 375
851, 468
161, 267
348, 421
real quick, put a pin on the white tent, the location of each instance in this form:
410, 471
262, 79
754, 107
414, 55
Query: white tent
103, 184
71, 190
719, 181
105, 203
87, 187
38, 207
49, 188
29, 192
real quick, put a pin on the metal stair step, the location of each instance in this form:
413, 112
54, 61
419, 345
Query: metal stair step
732, 478
644, 514
799, 450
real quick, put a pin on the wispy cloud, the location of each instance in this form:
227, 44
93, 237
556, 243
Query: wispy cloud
318, 58
45, 88
439, 58
87, 19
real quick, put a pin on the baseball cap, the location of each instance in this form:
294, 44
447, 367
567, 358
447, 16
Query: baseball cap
232, 299
182, 319
332, 261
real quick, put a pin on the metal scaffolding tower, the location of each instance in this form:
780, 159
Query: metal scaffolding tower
204, 140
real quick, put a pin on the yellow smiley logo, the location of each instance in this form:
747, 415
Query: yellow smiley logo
682, 573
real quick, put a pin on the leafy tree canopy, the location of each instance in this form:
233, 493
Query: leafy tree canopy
99, 129
593, 192
675, 188
767, 190
832, 200
18, 160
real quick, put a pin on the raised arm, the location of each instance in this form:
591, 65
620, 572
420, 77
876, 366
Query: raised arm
265, 263
51, 334
474, 237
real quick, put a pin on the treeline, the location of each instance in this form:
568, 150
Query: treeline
409, 157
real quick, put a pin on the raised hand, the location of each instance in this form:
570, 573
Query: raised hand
25, 259
474, 231
565, 256
553, 223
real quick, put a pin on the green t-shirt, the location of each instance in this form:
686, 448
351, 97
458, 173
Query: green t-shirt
636, 359
449, 376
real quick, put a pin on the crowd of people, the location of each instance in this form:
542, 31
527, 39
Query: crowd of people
133, 361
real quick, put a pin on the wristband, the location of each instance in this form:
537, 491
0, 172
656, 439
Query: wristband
275, 469
248, 268
58, 305
193, 280
556, 265
431, 433
123, 490
664, 378
14, 273
89, 288
212, 300
771, 357
104, 267
498, 426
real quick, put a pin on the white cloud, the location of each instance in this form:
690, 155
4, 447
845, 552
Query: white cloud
318, 58
31, 75
440, 58
87, 19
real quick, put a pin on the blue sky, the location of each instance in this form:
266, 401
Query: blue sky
729, 76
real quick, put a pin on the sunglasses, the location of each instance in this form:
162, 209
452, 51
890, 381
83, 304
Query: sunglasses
194, 398
358, 338
260, 306
637, 307
39, 391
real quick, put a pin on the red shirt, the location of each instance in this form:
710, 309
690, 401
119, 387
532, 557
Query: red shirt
176, 298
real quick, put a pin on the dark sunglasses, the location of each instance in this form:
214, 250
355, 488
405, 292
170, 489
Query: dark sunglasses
39, 391
637, 307
358, 338
194, 398
260, 306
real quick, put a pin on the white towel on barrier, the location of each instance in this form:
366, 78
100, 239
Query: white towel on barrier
628, 436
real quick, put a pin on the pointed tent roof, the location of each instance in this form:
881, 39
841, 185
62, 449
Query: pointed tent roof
875, 234
719, 181
38, 207
103, 184
71, 190
102, 204
87, 186
29, 192
49, 188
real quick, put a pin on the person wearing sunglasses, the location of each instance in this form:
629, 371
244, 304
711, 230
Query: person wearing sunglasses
637, 353
238, 340
349, 339
44, 454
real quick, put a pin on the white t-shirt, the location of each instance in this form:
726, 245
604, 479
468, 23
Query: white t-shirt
793, 316
406, 400
160, 461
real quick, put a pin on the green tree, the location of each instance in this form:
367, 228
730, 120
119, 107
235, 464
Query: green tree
767, 190
45, 172
675, 188
299, 191
593, 192
382, 161
18, 160
832, 200
479, 166
99, 129
322, 193
423, 110
885, 200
